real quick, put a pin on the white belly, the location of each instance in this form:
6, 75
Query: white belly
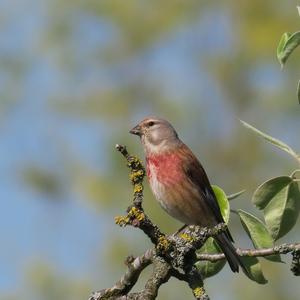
161, 195
158, 190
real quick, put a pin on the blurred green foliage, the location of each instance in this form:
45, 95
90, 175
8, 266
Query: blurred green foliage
45, 283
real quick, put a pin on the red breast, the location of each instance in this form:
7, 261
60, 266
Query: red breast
164, 167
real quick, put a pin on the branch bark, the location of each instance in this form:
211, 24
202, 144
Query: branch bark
279, 249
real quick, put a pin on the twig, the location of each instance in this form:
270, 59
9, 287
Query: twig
280, 249
128, 280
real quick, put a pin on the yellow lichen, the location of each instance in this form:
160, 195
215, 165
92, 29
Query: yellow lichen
198, 292
136, 213
163, 243
136, 176
138, 188
122, 220
186, 237
132, 211
140, 216
134, 162
139, 173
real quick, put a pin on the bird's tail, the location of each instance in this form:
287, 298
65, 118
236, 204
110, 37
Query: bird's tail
229, 250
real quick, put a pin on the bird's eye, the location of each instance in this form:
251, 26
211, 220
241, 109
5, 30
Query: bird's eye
151, 123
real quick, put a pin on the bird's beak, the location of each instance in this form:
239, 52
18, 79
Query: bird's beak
136, 130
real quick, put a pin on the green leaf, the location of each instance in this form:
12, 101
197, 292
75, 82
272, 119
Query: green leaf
283, 146
223, 202
269, 190
280, 47
235, 195
282, 211
253, 267
258, 233
287, 44
207, 268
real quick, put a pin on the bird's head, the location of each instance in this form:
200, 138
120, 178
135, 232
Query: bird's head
157, 135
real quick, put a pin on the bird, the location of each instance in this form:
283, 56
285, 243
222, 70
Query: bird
180, 183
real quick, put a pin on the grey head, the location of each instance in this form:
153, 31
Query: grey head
157, 135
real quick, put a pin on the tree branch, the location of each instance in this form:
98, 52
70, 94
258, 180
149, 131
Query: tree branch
280, 249
128, 280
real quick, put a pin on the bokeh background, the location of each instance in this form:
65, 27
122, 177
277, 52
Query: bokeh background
75, 76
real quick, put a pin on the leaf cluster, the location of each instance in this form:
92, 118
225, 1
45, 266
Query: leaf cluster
287, 44
279, 201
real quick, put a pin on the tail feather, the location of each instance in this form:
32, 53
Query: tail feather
229, 250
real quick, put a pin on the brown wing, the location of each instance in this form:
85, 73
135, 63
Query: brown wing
196, 173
